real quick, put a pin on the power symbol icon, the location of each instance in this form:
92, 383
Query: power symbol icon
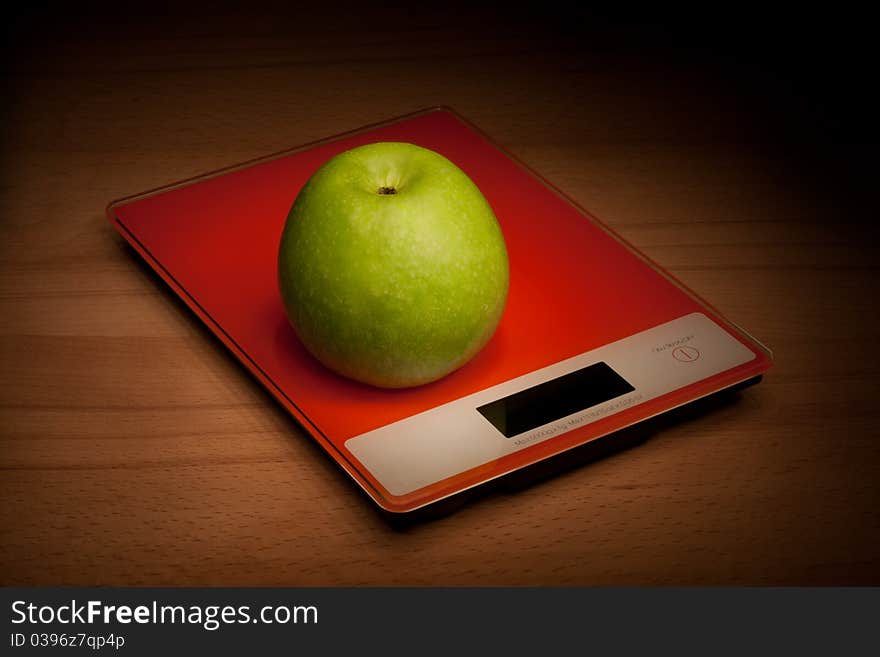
685, 354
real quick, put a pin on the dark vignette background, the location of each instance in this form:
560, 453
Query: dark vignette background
803, 80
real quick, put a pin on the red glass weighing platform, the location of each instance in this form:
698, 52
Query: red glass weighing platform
594, 338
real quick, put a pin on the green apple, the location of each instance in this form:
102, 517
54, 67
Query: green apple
392, 267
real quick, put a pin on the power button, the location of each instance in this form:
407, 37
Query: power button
686, 354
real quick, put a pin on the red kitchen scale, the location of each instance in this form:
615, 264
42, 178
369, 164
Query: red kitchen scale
594, 338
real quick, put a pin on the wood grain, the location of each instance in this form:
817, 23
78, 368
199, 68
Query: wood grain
134, 450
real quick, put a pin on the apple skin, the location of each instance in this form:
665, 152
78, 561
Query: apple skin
392, 266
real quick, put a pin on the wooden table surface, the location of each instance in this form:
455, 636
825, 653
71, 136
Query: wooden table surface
135, 450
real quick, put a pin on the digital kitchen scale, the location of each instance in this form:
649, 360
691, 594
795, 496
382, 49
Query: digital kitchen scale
594, 338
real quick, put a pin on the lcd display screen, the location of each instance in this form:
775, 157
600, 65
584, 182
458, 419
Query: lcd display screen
555, 399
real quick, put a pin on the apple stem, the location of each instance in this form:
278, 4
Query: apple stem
387, 190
